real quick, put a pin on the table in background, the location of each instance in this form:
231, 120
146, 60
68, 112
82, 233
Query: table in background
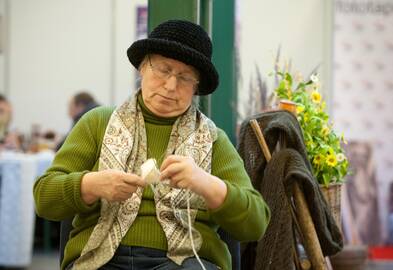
17, 175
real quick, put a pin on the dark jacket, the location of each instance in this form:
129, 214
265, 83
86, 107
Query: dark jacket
75, 120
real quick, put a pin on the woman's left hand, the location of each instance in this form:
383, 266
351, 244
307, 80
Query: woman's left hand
183, 172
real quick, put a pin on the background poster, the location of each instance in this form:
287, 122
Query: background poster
141, 32
141, 22
363, 98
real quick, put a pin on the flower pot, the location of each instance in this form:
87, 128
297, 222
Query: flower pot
332, 194
350, 258
288, 106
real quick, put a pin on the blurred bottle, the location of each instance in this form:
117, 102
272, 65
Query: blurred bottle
35, 134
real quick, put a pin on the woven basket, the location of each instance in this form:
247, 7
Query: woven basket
332, 194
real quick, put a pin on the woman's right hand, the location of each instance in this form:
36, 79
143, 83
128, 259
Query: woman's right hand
112, 185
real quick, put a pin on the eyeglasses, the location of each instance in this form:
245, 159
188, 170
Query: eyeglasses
165, 73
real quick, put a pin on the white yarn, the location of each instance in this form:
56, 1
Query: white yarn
190, 228
149, 171
151, 174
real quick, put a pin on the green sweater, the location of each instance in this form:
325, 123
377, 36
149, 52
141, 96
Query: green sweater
57, 196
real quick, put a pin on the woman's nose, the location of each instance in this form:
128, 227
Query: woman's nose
171, 82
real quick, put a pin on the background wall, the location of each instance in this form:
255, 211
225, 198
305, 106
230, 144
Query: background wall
57, 47
3, 34
303, 28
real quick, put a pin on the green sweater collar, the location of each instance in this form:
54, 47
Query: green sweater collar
150, 117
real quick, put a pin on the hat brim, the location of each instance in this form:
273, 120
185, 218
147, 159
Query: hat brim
208, 80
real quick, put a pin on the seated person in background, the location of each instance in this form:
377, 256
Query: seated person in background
8, 140
169, 219
79, 104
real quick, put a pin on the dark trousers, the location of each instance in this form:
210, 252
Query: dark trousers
141, 258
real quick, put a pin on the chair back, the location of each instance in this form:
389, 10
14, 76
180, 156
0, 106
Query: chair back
65, 229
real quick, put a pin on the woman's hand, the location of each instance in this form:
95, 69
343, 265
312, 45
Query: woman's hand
112, 185
182, 172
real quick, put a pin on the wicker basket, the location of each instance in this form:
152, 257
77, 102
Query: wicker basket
332, 194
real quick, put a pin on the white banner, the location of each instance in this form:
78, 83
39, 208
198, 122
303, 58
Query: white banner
363, 89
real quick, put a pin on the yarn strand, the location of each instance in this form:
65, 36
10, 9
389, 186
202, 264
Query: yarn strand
190, 231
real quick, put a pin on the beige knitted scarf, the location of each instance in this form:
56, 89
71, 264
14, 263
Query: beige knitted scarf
124, 147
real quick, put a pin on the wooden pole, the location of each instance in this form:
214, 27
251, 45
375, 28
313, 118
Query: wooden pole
311, 243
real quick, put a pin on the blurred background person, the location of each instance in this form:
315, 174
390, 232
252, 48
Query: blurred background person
8, 140
78, 105
5, 116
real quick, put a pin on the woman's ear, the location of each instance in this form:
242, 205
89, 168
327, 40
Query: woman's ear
142, 66
142, 69
195, 89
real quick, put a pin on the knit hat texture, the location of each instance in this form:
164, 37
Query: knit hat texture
184, 41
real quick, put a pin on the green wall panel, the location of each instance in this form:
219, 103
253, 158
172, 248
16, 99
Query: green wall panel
224, 99
218, 18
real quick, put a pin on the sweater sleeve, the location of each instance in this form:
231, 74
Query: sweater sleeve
57, 192
244, 214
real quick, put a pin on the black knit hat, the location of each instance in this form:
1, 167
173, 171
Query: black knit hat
183, 41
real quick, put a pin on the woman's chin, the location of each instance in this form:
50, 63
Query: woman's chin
164, 112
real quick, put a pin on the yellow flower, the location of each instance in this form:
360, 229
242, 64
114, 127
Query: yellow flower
318, 159
340, 157
299, 109
331, 160
316, 97
309, 144
325, 130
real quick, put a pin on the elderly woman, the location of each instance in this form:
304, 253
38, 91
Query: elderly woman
124, 221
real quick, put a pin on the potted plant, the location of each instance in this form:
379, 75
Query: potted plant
324, 146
